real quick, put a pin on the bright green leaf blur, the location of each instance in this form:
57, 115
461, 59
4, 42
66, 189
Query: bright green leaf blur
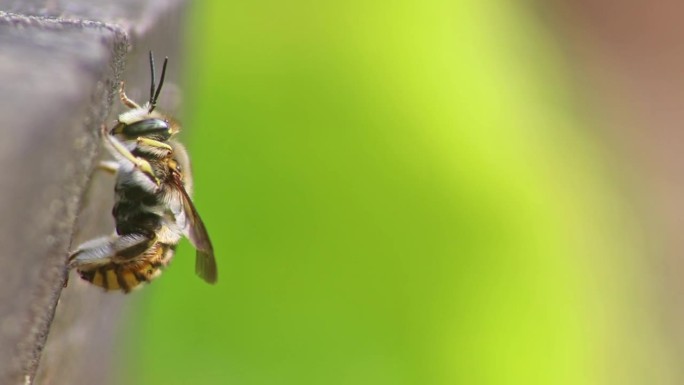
398, 193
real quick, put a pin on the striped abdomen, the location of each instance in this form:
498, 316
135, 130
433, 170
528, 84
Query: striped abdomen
127, 274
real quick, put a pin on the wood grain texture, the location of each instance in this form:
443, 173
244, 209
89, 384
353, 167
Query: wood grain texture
60, 66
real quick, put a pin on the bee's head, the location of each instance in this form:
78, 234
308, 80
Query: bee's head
151, 128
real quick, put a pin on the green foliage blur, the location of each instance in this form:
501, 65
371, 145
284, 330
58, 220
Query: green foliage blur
398, 193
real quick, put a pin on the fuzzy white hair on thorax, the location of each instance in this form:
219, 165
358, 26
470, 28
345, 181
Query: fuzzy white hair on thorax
138, 114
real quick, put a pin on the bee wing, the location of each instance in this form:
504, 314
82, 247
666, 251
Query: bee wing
205, 264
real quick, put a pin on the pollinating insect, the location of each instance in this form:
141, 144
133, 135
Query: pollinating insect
153, 209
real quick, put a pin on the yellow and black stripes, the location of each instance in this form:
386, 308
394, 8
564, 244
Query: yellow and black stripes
126, 275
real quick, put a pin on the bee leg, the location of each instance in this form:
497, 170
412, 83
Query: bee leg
120, 151
133, 245
109, 166
95, 251
125, 100
156, 148
66, 279
153, 143
100, 251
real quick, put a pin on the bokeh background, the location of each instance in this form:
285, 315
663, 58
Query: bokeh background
427, 192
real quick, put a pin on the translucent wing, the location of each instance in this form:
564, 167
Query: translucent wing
205, 264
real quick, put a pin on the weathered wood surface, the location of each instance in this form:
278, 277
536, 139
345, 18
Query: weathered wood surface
60, 65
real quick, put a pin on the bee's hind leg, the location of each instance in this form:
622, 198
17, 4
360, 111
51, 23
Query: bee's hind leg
93, 252
100, 251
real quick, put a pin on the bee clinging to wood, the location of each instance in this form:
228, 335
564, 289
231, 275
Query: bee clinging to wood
153, 209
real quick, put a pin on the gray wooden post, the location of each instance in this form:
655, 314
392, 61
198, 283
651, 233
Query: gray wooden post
60, 66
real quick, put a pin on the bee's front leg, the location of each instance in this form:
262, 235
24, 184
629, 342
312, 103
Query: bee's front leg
154, 143
154, 147
125, 100
109, 166
119, 151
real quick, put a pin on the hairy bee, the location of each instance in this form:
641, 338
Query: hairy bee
153, 209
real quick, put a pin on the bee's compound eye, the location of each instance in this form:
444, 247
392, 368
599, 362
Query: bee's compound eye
157, 128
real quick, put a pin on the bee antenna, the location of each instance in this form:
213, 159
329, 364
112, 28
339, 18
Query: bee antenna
152, 79
154, 94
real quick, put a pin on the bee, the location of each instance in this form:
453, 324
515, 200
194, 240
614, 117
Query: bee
153, 209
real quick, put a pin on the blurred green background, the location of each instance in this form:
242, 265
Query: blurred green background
397, 194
